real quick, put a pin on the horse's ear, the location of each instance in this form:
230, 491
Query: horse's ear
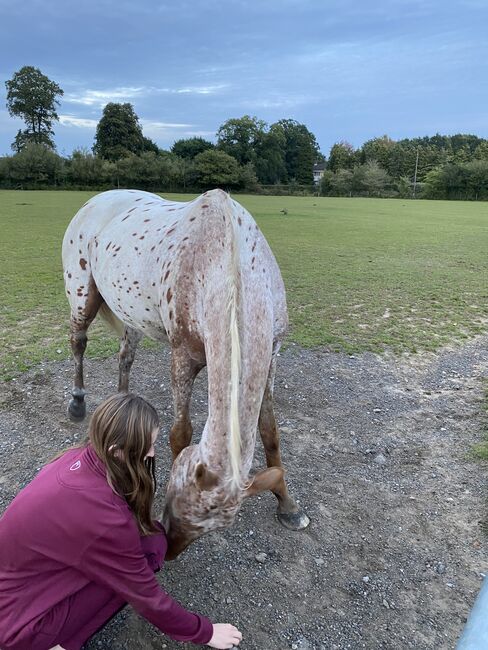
205, 478
266, 479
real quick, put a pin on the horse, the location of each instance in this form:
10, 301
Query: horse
200, 275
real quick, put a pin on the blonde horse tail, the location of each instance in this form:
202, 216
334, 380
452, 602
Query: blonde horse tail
111, 319
234, 438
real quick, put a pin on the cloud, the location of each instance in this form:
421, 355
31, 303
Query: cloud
101, 98
80, 122
168, 131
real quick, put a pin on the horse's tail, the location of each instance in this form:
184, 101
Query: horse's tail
111, 319
234, 293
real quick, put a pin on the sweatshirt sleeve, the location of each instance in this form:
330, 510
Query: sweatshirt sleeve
115, 559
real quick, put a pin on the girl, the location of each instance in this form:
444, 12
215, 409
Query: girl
78, 543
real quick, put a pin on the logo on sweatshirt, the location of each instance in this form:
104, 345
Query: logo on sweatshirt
75, 466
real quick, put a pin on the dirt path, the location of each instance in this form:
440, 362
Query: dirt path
377, 453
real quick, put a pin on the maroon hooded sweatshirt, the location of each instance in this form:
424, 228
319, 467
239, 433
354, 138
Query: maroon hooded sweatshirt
66, 529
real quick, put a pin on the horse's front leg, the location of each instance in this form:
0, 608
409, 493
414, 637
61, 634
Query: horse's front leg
289, 514
127, 353
184, 369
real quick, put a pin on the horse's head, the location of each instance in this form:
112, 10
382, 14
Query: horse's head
198, 500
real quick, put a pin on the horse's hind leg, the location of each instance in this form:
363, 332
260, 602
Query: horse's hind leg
289, 513
84, 310
127, 353
184, 369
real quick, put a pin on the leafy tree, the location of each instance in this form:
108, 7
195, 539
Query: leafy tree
270, 156
118, 132
341, 156
238, 137
404, 187
342, 183
190, 147
247, 178
301, 150
36, 164
33, 97
374, 179
378, 149
86, 169
467, 181
215, 168
149, 145
481, 151
477, 179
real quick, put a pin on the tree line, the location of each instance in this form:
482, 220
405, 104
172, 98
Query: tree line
248, 154
437, 167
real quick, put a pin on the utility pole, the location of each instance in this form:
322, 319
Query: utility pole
415, 175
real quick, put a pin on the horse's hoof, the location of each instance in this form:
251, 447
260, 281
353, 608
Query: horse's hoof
293, 520
77, 407
76, 410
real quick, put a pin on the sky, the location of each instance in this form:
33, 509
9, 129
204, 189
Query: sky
347, 69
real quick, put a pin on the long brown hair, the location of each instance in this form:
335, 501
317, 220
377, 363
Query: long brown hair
120, 432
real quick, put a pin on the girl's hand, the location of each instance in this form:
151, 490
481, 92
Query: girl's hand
224, 636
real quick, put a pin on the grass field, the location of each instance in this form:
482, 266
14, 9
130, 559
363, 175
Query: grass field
361, 274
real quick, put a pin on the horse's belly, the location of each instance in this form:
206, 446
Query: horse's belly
131, 291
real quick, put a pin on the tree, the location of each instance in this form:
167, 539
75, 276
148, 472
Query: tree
149, 145
270, 156
36, 164
190, 147
33, 97
118, 133
378, 149
341, 156
238, 138
481, 151
86, 169
301, 150
247, 178
217, 169
374, 179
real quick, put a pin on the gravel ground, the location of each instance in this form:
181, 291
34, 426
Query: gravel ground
377, 452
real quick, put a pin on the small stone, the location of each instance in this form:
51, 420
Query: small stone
379, 459
261, 557
366, 579
228, 600
319, 561
385, 603
58, 351
286, 430
440, 568
376, 410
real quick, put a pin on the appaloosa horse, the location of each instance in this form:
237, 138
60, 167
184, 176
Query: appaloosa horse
202, 275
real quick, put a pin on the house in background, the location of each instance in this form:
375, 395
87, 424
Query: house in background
318, 172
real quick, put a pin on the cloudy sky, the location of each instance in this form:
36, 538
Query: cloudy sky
348, 69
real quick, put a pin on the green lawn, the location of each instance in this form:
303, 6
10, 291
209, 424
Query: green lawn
361, 274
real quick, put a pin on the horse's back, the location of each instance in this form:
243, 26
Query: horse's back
156, 261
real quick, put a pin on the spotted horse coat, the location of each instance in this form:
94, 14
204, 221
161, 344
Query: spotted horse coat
201, 275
